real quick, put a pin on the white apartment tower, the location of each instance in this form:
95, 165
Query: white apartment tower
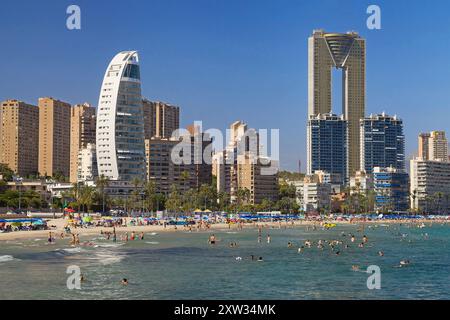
120, 122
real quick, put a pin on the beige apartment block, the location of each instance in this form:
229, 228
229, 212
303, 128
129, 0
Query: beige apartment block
251, 176
347, 52
433, 146
54, 137
19, 132
82, 133
438, 146
160, 119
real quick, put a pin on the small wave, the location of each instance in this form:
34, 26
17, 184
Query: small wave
6, 258
231, 232
152, 242
74, 250
108, 245
152, 234
107, 259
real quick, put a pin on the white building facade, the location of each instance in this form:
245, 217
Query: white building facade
430, 186
87, 164
120, 141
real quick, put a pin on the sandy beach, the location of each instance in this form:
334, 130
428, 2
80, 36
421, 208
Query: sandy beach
57, 227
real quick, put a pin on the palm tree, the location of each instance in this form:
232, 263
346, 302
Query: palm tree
414, 197
174, 201
439, 196
137, 187
87, 194
184, 177
75, 194
102, 183
150, 194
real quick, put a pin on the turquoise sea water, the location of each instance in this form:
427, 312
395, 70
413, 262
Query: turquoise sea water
183, 266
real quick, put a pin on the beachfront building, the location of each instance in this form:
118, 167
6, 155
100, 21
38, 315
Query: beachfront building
201, 156
316, 196
19, 137
87, 164
327, 145
346, 52
120, 121
430, 186
38, 186
241, 166
164, 172
313, 194
333, 179
361, 183
82, 133
382, 143
391, 187
225, 161
259, 176
54, 137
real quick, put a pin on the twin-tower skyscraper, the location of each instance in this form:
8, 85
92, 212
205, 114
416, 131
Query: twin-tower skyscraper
348, 53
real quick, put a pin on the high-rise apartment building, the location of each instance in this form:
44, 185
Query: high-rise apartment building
424, 147
382, 143
164, 171
433, 146
438, 146
327, 145
19, 136
82, 133
201, 157
54, 137
160, 119
120, 121
252, 177
240, 166
430, 186
346, 52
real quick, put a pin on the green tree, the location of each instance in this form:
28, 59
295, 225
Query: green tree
6, 172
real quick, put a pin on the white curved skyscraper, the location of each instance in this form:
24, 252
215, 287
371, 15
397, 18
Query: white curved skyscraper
120, 121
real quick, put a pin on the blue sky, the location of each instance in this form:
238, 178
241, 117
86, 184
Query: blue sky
227, 60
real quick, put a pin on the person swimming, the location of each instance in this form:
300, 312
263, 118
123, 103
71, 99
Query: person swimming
404, 263
268, 238
381, 253
124, 282
212, 239
260, 259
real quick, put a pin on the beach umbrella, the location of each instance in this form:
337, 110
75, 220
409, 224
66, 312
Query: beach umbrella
87, 219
